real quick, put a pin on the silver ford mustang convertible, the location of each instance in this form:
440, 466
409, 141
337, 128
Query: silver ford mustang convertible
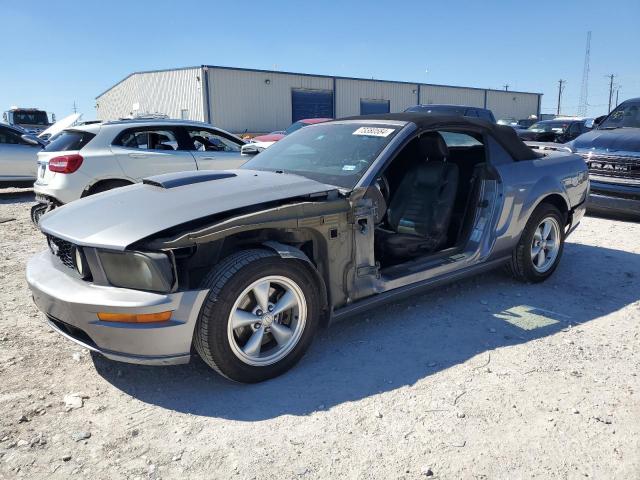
244, 266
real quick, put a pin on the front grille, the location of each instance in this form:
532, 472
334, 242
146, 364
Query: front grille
63, 250
616, 166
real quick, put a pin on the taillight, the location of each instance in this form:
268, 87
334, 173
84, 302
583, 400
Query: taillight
65, 163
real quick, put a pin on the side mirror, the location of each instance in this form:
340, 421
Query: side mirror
33, 140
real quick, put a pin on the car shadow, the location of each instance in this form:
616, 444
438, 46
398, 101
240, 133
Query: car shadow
614, 215
12, 196
402, 343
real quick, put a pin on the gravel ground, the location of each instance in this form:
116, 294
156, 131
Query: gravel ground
486, 378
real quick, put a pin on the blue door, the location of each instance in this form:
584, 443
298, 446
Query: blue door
311, 104
370, 106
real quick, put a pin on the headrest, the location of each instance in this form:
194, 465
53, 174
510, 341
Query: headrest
433, 146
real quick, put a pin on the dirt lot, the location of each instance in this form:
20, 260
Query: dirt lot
486, 378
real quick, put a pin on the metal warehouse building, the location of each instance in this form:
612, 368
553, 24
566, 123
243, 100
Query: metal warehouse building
240, 99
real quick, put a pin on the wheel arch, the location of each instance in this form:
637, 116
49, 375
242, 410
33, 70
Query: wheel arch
557, 201
550, 190
291, 252
306, 245
90, 188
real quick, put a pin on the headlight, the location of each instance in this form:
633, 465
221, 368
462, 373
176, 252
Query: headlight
80, 262
140, 271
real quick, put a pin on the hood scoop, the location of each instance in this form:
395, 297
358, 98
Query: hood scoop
180, 179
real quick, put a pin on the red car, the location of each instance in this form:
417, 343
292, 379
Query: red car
275, 136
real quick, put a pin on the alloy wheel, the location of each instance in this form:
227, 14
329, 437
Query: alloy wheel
267, 320
545, 245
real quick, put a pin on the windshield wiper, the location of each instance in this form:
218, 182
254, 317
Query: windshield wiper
608, 128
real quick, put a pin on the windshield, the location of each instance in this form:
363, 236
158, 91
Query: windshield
30, 118
557, 127
334, 153
626, 115
294, 126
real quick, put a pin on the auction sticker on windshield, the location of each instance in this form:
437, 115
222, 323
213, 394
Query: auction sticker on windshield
374, 131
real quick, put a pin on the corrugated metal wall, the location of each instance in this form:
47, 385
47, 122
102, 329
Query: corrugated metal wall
256, 101
260, 101
350, 92
177, 93
511, 104
451, 95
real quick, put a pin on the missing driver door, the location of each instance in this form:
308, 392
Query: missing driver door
366, 269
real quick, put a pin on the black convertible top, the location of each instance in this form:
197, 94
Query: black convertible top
505, 135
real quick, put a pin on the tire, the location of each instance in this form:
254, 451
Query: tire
106, 185
224, 348
37, 211
524, 265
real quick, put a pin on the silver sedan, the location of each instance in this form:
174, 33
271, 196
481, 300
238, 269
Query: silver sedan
18, 158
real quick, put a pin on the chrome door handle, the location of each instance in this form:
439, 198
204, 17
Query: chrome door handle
137, 155
207, 158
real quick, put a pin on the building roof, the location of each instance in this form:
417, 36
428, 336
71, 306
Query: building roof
337, 77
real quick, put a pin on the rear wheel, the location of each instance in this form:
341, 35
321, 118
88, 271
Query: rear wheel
105, 186
260, 316
540, 247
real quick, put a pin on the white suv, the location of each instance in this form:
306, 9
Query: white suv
84, 160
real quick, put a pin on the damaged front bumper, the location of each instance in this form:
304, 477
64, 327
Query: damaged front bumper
71, 306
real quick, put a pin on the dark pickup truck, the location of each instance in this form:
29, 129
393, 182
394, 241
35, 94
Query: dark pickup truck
612, 152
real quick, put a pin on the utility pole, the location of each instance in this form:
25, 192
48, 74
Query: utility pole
611, 77
506, 87
75, 108
560, 89
617, 93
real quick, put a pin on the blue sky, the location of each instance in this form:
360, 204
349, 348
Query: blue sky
52, 57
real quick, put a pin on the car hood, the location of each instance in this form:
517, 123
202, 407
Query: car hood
60, 125
527, 134
271, 137
118, 218
619, 140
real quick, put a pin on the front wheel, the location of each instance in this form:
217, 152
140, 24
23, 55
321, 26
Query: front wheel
540, 247
260, 316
